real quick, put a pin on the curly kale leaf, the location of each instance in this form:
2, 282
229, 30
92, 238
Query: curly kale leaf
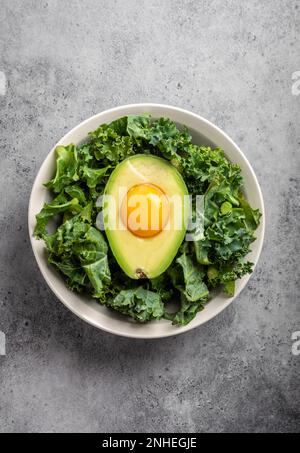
192, 286
59, 205
187, 277
79, 251
108, 146
139, 303
226, 274
66, 168
186, 312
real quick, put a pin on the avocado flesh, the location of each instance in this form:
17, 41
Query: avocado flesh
146, 257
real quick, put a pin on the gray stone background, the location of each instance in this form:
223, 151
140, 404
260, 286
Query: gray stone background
230, 61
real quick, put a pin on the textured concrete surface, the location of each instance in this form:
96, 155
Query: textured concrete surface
230, 61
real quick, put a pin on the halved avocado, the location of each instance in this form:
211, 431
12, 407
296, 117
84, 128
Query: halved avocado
141, 257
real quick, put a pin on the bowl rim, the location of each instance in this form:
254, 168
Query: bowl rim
259, 239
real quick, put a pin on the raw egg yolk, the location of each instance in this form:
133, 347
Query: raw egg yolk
145, 210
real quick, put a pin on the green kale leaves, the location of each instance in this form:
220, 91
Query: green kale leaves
80, 252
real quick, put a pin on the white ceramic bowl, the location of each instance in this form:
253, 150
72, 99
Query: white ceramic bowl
89, 310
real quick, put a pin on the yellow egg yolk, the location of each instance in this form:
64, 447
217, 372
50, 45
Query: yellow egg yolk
145, 210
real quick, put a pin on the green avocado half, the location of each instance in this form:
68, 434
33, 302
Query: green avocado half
141, 257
